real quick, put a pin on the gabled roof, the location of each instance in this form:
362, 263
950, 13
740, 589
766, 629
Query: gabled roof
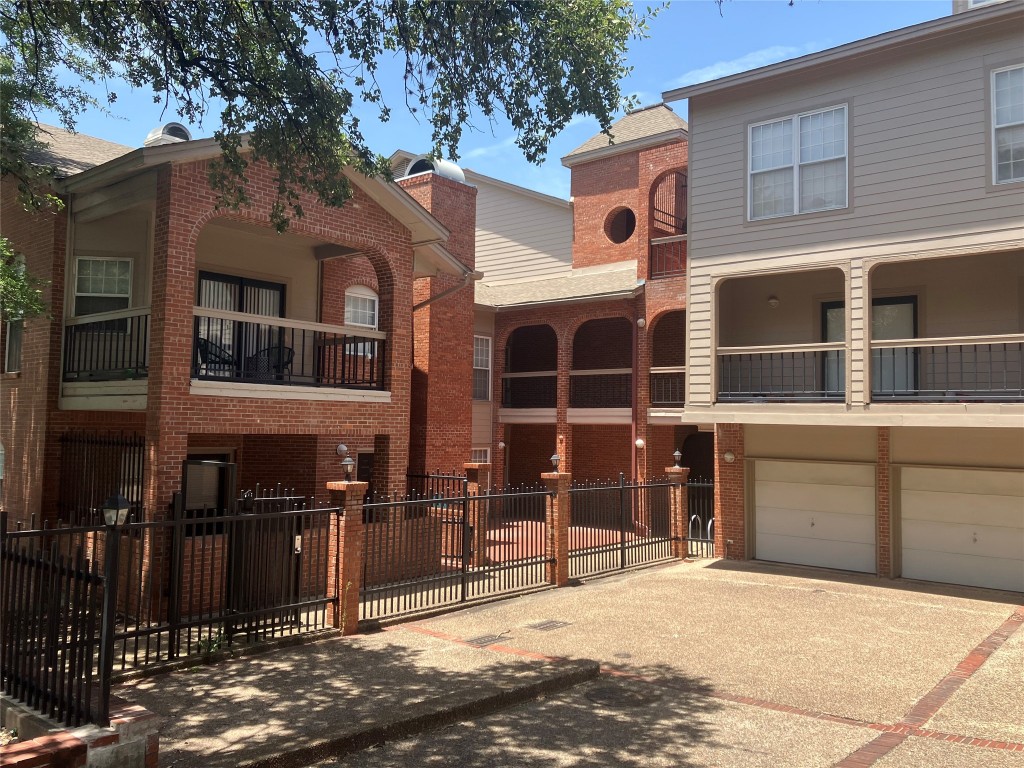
641, 128
72, 153
999, 13
580, 285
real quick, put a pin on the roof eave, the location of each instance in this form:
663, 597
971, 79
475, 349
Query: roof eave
679, 134
976, 17
621, 294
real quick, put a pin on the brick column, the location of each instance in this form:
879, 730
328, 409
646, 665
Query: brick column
478, 482
563, 429
679, 513
883, 495
346, 571
730, 493
557, 526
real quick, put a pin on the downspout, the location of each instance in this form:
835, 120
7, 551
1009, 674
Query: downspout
467, 278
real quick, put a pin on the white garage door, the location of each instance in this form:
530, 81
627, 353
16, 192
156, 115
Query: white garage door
815, 514
963, 526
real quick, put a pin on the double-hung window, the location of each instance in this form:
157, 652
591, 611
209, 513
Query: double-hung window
1008, 124
797, 164
481, 368
361, 307
102, 285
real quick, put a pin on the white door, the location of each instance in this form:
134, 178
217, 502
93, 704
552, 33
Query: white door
813, 513
963, 526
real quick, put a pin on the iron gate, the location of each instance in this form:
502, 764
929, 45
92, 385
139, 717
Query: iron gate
700, 534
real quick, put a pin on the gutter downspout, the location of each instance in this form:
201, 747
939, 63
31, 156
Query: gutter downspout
467, 278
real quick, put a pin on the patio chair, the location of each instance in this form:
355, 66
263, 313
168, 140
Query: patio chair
215, 360
270, 363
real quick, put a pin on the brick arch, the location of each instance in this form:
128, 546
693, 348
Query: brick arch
501, 338
574, 325
664, 351
667, 203
605, 349
509, 334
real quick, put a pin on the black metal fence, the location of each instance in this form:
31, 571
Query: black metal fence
700, 535
949, 373
427, 552
600, 390
614, 526
193, 584
428, 486
816, 375
94, 465
667, 258
112, 348
668, 387
539, 391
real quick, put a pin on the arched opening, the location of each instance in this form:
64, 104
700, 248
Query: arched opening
620, 225
668, 359
667, 211
602, 364
531, 368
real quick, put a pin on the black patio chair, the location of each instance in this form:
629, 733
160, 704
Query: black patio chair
215, 360
270, 363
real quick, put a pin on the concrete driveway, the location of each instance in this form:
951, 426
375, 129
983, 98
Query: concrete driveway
747, 664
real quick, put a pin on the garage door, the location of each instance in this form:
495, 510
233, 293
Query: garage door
815, 514
963, 526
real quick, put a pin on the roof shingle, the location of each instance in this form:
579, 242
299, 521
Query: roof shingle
72, 153
641, 124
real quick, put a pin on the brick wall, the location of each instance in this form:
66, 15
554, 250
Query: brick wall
442, 379
883, 496
601, 451
528, 448
730, 492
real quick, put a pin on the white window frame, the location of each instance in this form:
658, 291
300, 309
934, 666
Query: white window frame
363, 292
78, 267
14, 325
979, 3
993, 128
490, 365
475, 455
796, 164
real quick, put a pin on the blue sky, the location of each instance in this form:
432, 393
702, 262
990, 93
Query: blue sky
689, 42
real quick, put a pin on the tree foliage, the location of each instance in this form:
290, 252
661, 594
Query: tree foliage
280, 77
21, 295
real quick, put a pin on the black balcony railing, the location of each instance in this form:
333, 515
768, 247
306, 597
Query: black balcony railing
929, 372
667, 257
600, 390
806, 375
668, 387
277, 351
529, 390
113, 346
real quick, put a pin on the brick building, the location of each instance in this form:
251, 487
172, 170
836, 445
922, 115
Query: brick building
211, 336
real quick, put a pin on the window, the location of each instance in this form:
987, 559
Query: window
481, 368
15, 329
361, 307
102, 285
480, 455
798, 164
1008, 124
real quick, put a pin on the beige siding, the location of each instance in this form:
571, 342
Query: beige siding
919, 184
482, 420
520, 236
821, 443
1003, 448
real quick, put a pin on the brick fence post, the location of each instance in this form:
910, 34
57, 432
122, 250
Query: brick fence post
478, 483
348, 543
679, 513
557, 526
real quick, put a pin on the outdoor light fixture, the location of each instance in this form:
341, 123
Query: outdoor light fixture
678, 456
501, 446
641, 322
342, 450
640, 442
773, 301
729, 457
115, 510
555, 459
347, 465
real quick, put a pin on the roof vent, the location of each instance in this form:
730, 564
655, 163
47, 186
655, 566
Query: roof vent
425, 164
168, 133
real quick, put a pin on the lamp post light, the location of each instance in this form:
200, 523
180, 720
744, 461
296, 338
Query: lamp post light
555, 460
348, 465
678, 456
115, 514
115, 510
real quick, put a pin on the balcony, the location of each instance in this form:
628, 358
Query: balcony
609, 388
668, 386
109, 346
256, 349
667, 257
961, 369
533, 389
783, 373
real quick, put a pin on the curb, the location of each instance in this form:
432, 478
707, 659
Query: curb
432, 713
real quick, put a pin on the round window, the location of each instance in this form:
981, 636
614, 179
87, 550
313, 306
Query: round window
620, 225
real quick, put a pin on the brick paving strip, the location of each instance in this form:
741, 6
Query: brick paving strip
892, 735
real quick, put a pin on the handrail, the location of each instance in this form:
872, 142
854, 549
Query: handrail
528, 374
100, 317
669, 239
835, 346
284, 322
948, 341
668, 369
600, 371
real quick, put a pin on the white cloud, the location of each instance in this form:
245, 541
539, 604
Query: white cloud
491, 149
752, 60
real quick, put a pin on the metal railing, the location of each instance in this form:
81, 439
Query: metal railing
965, 369
609, 388
533, 389
795, 372
428, 486
700, 534
94, 465
668, 386
613, 526
667, 256
424, 553
109, 346
231, 346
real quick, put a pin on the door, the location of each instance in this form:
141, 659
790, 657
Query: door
226, 344
894, 371
815, 513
